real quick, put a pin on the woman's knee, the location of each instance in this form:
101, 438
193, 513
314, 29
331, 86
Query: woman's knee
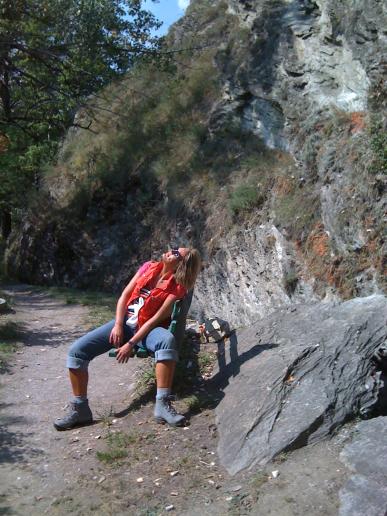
163, 343
76, 357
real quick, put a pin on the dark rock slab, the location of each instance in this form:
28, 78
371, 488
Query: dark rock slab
295, 376
365, 493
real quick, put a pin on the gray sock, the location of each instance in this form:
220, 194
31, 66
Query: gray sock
162, 393
79, 399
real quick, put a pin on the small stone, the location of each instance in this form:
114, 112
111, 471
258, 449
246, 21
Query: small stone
97, 437
140, 480
114, 421
275, 473
169, 508
235, 488
174, 473
229, 498
102, 479
174, 493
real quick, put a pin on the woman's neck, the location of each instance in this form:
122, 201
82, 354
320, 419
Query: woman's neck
165, 271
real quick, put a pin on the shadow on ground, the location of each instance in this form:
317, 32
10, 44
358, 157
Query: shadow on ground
208, 392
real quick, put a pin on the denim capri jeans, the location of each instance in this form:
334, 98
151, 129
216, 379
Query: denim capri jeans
159, 341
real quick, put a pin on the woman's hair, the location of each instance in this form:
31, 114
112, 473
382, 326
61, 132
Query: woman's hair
188, 269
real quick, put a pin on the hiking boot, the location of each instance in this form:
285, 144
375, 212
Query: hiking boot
79, 414
165, 413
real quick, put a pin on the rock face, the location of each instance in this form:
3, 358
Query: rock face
296, 376
303, 82
365, 456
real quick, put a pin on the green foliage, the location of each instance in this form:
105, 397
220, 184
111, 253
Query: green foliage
64, 50
102, 306
9, 339
378, 135
297, 209
290, 282
245, 198
118, 445
54, 55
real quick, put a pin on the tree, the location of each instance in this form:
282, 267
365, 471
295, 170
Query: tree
54, 54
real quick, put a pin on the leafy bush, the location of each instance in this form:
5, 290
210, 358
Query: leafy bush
379, 146
245, 198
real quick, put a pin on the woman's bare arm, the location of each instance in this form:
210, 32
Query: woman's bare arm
117, 334
124, 298
160, 316
163, 313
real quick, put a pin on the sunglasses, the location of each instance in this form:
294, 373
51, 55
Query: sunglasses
175, 252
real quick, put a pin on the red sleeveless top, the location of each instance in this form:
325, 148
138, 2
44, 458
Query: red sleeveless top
157, 295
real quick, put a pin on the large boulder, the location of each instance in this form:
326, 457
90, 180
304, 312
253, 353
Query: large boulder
365, 493
297, 375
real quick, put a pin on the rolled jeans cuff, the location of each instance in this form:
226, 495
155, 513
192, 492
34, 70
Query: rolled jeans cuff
166, 354
77, 363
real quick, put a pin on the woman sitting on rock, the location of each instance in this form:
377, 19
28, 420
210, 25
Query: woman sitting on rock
156, 286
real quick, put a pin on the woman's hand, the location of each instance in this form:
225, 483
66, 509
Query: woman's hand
117, 335
124, 353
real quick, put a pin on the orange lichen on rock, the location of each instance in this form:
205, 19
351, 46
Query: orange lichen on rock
283, 186
357, 122
319, 240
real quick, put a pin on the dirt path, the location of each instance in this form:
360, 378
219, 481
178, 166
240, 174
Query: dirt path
45, 471
36, 461
142, 468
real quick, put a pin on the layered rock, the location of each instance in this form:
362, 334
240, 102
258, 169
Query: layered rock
301, 79
365, 456
296, 376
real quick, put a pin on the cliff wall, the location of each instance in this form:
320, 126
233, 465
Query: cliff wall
265, 149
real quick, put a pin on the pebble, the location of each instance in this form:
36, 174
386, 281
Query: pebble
275, 473
169, 508
174, 493
174, 473
102, 479
97, 437
235, 488
139, 480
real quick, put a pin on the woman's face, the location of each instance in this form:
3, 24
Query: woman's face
174, 256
